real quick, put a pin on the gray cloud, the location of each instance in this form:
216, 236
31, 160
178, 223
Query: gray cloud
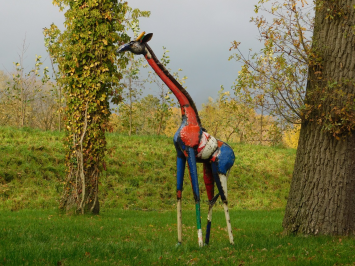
198, 33
20, 18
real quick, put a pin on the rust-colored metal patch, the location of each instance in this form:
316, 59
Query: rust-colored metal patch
179, 194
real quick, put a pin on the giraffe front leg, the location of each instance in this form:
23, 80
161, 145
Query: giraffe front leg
191, 160
179, 221
180, 165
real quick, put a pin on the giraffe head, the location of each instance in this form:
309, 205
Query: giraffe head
137, 46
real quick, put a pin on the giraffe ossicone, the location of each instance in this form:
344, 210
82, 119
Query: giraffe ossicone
193, 145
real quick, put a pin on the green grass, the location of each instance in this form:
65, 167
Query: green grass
140, 173
137, 222
118, 237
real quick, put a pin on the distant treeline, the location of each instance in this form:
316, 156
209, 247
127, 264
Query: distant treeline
28, 101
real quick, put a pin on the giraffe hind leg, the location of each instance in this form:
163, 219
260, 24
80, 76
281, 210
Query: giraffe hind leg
223, 178
209, 218
209, 183
220, 167
222, 187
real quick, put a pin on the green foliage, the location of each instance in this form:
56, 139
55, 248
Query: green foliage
331, 107
141, 173
290, 60
334, 9
89, 70
278, 73
119, 237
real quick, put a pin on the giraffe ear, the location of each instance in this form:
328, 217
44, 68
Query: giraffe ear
147, 37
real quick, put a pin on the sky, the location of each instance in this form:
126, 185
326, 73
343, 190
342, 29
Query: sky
197, 33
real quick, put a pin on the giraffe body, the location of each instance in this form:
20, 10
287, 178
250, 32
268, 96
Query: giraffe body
193, 145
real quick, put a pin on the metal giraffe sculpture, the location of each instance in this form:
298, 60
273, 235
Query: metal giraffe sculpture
193, 144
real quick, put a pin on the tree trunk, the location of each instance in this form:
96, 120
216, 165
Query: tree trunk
322, 193
82, 185
92, 74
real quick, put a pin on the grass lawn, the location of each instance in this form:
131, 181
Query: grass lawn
137, 221
141, 173
127, 237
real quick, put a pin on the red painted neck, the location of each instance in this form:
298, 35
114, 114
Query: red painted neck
186, 109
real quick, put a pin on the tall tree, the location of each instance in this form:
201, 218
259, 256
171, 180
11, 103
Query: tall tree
86, 56
311, 81
322, 195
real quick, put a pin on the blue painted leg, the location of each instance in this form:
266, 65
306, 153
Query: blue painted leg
191, 160
180, 165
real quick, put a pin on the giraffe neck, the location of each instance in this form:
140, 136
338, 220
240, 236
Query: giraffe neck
188, 108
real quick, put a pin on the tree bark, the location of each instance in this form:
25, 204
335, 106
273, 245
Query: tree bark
322, 193
82, 186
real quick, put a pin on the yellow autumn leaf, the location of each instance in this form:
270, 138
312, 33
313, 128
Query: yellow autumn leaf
104, 41
303, 1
